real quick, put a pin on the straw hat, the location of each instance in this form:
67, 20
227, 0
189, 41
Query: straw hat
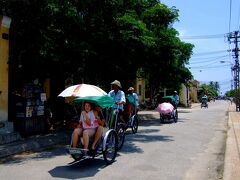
116, 82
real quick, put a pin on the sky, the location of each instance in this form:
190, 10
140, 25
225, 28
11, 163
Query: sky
206, 24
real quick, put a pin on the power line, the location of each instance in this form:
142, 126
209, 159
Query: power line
202, 64
209, 67
205, 60
210, 52
214, 36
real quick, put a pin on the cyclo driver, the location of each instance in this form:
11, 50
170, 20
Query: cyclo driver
118, 96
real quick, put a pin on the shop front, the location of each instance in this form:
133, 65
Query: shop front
28, 108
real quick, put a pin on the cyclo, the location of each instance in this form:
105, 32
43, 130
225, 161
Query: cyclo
113, 138
130, 121
113, 122
204, 101
168, 109
131, 116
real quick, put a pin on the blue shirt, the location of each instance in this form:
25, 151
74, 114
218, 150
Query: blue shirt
133, 98
176, 99
136, 99
118, 97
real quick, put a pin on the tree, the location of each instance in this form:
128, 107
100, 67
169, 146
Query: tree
214, 85
98, 41
208, 90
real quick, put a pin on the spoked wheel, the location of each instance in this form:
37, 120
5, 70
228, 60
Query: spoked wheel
135, 124
110, 146
121, 135
77, 157
176, 117
161, 119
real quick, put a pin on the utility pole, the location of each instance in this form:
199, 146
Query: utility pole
234, 37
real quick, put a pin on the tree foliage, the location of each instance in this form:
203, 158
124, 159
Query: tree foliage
233, 93
99, 41
210, 89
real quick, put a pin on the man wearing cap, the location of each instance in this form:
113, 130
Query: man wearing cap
117, 94
176, 97
134, 98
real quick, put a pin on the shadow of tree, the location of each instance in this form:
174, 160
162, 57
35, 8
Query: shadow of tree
131, 147
150, 122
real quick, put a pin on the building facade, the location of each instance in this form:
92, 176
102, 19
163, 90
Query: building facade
4, 54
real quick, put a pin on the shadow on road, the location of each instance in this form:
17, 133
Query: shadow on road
80, 169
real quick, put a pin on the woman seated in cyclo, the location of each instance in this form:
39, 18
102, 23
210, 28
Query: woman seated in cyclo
90, 125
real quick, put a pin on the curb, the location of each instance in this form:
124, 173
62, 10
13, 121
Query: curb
232, 153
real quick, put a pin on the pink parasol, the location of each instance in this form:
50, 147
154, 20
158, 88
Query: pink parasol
165, 108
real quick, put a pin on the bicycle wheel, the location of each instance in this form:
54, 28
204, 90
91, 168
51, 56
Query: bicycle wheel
121, 135
75, 153
110, 146
77, 157
134, 124
176, 116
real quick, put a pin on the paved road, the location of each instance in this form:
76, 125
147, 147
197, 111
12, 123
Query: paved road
193, 148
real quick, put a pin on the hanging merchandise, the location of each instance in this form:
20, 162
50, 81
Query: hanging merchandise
29, 108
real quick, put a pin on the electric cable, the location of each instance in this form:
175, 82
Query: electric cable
214, 36
216, 59
210, 52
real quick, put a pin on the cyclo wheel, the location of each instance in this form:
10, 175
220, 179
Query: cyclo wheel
120, 135
110, 146
76, 156
176, 116
161, 119
119, 127
135, 124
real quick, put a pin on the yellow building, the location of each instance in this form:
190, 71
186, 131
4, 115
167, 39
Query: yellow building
4, 53
188, 95
7, 133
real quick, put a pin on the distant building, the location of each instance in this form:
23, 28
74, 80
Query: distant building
189, 94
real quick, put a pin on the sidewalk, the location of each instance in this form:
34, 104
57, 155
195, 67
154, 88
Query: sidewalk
35, 143
232, 154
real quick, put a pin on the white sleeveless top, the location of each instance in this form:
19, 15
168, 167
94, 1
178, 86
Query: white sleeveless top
92, 117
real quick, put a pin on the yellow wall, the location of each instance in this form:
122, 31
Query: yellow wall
4, 52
